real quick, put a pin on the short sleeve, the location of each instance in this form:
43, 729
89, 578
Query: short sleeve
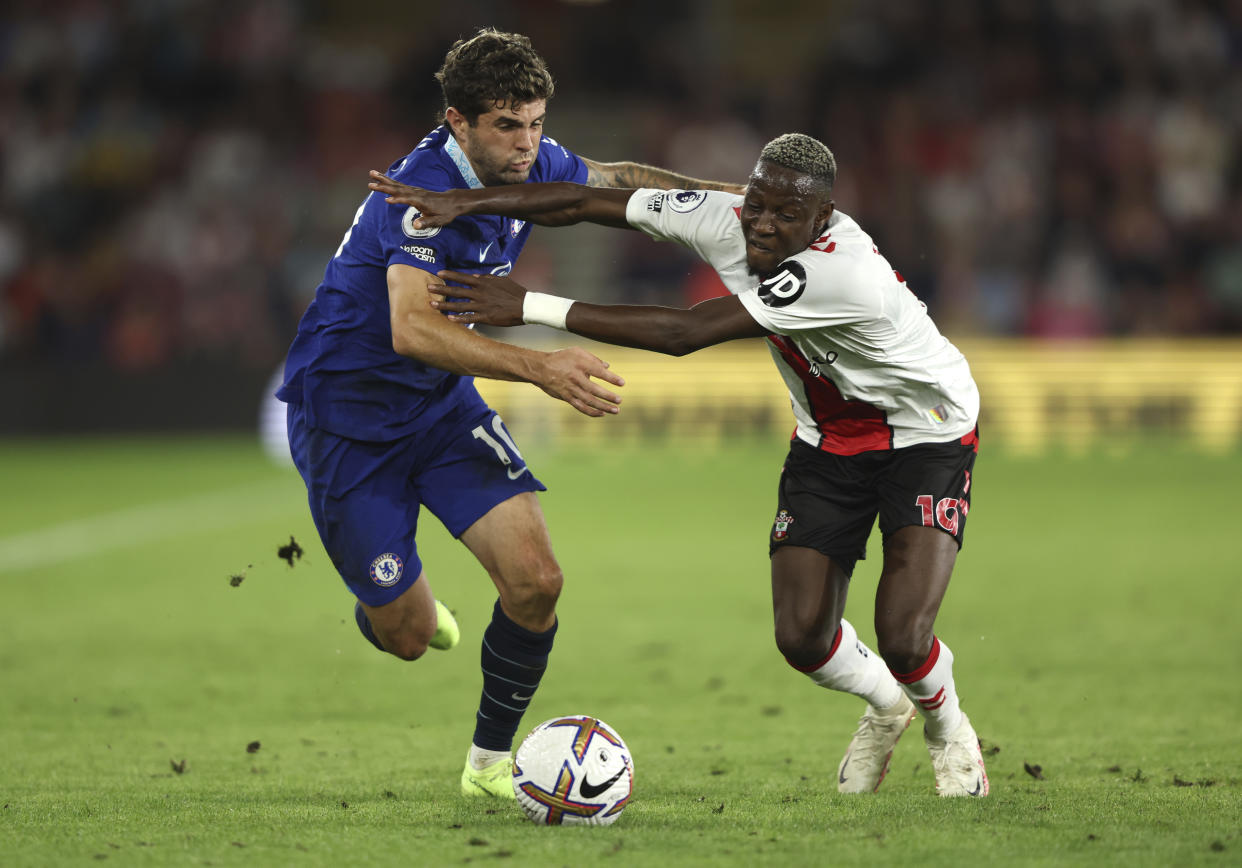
807, 294
429, 249
704, 221
558, 163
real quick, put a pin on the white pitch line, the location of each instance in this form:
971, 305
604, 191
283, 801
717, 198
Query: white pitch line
138, 525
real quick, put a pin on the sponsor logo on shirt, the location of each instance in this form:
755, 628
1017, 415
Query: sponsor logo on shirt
785, 286
685, 201
656, 203
407, 225
818, 363
516, 227
426, 254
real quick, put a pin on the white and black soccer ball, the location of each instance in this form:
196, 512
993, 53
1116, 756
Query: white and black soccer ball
573, 770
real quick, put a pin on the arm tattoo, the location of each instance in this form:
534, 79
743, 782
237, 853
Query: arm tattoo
635, 175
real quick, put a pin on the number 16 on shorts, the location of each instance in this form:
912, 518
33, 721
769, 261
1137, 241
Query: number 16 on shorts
945, 513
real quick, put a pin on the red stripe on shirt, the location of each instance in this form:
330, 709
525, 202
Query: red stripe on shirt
972, 439
845, 427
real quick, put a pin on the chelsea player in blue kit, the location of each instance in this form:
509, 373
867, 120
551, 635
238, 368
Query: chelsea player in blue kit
383, 415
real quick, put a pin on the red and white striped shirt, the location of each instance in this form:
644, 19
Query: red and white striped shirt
866, 367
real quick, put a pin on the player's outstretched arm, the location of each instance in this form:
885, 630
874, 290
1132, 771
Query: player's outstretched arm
421, 333
550, 204
635, 175
502, 301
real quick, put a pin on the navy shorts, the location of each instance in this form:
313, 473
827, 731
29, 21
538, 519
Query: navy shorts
365, 497
829, 502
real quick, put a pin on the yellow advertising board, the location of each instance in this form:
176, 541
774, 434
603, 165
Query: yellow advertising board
1036, 395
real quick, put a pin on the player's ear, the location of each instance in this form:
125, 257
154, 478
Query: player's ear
456, 120
825, 212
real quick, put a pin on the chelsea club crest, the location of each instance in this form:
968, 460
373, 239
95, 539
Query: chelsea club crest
386, 570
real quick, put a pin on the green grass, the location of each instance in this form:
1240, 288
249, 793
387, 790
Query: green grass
1094, 617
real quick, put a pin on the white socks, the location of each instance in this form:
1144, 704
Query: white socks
932, 689
852, 667
481, 758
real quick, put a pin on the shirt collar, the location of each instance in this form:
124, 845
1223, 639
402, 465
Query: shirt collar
458, 156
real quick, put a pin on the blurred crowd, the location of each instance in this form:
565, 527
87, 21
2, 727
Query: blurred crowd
175, 174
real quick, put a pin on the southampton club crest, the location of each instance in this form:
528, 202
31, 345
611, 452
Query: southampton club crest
386, 570
780, 528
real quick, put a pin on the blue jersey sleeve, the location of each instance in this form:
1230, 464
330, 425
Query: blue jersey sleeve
558, 163
479, 244
429, 249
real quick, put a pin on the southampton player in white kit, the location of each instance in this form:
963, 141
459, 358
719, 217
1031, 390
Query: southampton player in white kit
886, 419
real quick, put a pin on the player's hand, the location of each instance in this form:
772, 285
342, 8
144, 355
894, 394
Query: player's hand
570, 375
435, 208
481, 298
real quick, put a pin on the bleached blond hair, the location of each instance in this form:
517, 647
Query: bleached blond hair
803, 154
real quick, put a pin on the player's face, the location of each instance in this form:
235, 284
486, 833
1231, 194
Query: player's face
503, 143
782, 212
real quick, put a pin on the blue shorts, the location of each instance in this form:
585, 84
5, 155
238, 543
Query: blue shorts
365, 497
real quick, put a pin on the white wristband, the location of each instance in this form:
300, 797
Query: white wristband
539, 308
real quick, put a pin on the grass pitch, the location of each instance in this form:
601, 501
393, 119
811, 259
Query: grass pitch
174, 693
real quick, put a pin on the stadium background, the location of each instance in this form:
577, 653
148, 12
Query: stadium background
1060, 182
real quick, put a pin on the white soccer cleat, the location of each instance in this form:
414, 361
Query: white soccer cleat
958, 762
866, 760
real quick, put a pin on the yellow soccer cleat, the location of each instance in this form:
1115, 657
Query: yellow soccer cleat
447, 632
492, 781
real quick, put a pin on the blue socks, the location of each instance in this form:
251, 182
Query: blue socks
364, 627
513, 661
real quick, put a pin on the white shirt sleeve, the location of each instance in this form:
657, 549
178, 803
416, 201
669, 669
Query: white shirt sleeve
702, 220
811, 291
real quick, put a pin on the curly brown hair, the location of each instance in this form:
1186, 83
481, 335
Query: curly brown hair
492, 69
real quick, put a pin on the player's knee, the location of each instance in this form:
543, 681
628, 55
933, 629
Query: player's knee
545, 589
536, 589
798, 643
406, 645
905, 644
408, 641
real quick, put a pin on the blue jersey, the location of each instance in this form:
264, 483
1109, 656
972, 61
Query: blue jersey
342, 367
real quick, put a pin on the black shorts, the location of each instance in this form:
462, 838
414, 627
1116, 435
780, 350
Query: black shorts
829, 502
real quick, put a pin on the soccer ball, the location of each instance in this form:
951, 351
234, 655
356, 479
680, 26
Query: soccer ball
573, 770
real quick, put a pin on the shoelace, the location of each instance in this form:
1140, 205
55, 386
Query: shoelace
955, 759
871, 732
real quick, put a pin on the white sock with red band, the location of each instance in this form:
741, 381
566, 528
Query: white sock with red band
932, 689
852, 667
